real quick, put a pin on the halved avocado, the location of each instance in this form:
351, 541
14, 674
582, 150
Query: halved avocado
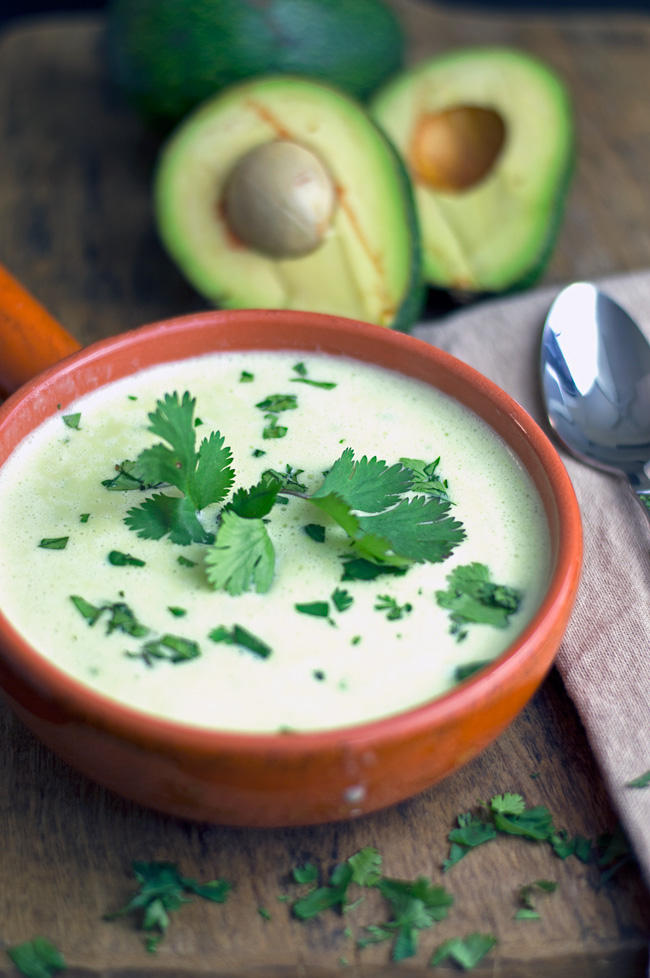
282, 193
487, 136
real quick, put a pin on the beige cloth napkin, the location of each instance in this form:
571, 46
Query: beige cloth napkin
605, 657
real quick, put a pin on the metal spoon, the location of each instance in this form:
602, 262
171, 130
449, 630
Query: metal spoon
595, 374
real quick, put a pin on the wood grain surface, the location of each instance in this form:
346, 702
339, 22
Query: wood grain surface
76, 227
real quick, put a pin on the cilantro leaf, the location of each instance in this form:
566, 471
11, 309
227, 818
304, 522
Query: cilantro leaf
54, 543
332, 895
241, 557
213, 474
89, 611
469, 668
126, 479
173, 648
38, 958
415, 906
472, 598
366, 866
162, 890
204, 477
366, 485
278, 402
643, 781
360, 569
471, 832
160, 515
118, 559
342, 599
395, 611
318, 609
509, 804
238, 635
305, 874
72, 420
418, 528
532, 823
259, 500
527, 910
315, 531
466, 952
425, 478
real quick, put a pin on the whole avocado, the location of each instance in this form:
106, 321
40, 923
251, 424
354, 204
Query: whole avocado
166, 56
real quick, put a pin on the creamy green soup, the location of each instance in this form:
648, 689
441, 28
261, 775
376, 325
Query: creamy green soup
377, 646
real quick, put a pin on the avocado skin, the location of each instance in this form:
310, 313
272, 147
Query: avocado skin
166, 56
412, 305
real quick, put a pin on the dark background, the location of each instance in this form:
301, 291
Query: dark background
10, 9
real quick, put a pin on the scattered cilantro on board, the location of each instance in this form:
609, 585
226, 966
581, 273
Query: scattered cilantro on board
38, 958
643, 781
466, 952
527, 899
161, 891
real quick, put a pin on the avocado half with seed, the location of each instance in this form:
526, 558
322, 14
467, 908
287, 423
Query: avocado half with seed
487, 136
282, 193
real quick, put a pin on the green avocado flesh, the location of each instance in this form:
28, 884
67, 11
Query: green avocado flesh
495, 231
367, 264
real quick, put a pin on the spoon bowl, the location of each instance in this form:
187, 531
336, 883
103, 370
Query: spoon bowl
595, 377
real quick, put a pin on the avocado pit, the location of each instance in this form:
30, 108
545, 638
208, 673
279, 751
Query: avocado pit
456, 148
280, 200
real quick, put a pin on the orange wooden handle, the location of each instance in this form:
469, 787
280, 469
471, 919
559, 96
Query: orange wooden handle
30, 339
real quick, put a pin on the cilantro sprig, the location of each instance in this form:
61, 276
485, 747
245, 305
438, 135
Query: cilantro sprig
202, 476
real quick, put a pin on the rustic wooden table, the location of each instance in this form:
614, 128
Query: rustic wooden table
76, 227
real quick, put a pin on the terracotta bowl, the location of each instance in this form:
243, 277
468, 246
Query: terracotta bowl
303, 778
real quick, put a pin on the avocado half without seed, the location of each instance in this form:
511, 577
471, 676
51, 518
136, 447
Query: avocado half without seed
487, 136
282, 193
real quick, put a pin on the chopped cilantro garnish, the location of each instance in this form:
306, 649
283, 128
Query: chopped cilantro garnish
259, 500
614, 852
118, 559
466, 952
173, 648
204, 476
38, 958
84, 517
120, 616
473, 599
273, 429
264, 913
185, 561
360, 569
162, 890
258, 452
54, 543
245, 377
177, 612
302, 378
315, 531
415, 905
319, 609
275, 403
395, 611
468, 669
71, 420
237, 635
342, 599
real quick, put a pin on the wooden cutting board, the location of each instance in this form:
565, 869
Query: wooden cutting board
76, 227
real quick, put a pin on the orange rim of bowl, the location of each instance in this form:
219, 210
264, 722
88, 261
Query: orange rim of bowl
167, 341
